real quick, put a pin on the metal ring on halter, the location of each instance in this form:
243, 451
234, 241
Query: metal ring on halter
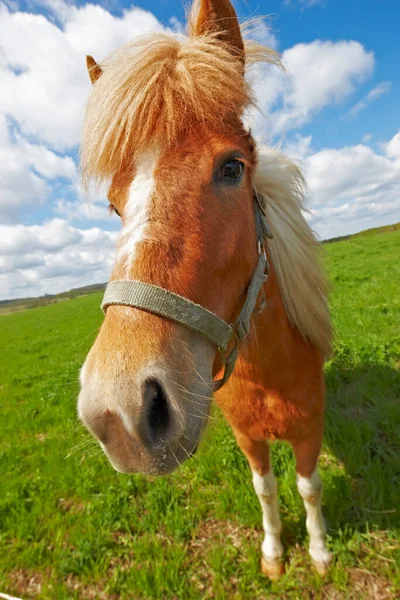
261, 249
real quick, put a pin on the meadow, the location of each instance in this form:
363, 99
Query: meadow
72, 528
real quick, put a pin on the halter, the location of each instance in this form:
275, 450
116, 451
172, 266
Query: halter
162, 302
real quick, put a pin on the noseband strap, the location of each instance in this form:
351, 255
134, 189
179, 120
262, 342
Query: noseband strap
162, 302
157, 300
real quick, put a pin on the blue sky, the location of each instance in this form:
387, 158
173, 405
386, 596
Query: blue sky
335, 113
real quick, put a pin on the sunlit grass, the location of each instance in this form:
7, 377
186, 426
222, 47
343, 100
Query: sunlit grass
73, 528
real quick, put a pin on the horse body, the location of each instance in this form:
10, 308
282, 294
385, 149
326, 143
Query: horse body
277, 392
279, 380
164, 122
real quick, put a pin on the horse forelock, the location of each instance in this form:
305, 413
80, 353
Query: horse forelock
155, 90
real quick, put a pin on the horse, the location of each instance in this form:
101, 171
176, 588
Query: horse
217, 285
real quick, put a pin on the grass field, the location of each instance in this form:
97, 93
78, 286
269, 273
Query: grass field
71, 528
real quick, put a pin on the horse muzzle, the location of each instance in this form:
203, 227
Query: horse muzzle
152, 429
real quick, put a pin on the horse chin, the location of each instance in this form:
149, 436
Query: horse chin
166, 462
127, 455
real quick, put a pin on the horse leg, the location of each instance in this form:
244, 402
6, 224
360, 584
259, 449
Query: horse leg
266, 488
309, 485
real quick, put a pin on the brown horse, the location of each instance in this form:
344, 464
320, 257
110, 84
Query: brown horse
164, 123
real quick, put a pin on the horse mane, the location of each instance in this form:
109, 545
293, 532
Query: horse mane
156, 88
295, 251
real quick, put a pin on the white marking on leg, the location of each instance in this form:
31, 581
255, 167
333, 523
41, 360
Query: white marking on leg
266, 488
311, 492
136, 212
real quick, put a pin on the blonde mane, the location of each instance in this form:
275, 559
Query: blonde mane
158, 87
294, 249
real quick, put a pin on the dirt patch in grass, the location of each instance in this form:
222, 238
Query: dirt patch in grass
70, 505
214, 533
213, 530
24, 583
217, 557
363, 585
29, 584
88, 591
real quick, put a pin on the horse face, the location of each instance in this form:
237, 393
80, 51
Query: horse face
188, 226
164, 120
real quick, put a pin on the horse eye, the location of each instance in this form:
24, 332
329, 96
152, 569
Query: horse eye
233, 170
112, 210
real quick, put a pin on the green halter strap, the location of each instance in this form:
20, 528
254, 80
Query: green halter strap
162, 302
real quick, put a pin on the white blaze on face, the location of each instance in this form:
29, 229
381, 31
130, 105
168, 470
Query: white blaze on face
136, 213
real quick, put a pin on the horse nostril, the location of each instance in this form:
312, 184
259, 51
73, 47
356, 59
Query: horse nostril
157, 413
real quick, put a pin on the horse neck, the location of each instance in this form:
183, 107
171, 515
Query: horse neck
275, 348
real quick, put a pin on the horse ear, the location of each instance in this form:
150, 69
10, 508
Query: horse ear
217, 16
93, 68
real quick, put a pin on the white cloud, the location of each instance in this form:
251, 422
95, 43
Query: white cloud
25, 173
261, 30
353, 188
305, 3
42, 66
298, 148
42, 69
320, 74
81, 210
48, 164
383, 88
392, 148
52, 257
51, 237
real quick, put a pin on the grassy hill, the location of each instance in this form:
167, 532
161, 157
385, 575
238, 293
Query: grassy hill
365, 233
10, 306
72, 528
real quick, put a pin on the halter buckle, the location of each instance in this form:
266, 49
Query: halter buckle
224, 353
262, 249
229, 362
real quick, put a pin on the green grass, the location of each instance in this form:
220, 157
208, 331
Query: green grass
366, 233
20, 304
72, 528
